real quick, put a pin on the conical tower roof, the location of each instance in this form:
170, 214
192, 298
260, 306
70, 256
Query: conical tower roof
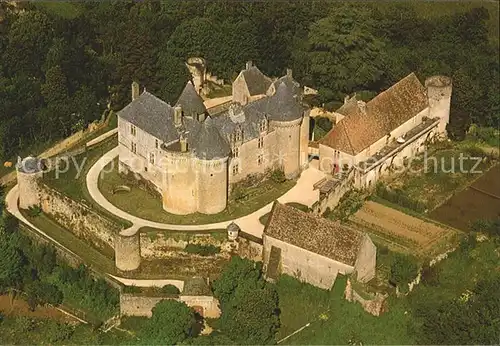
209, 144
191, 103
282, 106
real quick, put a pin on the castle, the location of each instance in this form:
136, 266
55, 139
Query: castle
192, 158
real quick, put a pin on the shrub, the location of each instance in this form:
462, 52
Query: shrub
278, 176
25, 324
170, 289
34, 211
403, 269
399, 197
40, 293
203, 250
58, 332
383, 250
131, 289
239, 194
430, 275
490, 227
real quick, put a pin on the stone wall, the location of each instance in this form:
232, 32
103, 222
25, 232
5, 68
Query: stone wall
78, 218
249, 249
331, 199
366, 261
248, 160
156, 245
374, 306
138, 305
305, 265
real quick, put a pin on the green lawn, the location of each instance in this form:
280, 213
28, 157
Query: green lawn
72, 182
143, 204
333, 320
336, 321
101, 260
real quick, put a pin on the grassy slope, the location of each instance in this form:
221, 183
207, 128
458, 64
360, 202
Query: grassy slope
73, 184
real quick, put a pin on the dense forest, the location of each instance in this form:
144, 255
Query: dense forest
63, 64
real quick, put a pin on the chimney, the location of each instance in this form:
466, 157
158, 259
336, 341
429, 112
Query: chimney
183, 143
289, 72
346, 98
249, 64
135, 90
177, 116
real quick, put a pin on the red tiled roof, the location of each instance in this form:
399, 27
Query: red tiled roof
384, 113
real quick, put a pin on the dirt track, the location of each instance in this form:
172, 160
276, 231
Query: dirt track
397, 227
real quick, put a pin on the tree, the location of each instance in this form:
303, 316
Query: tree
11, 263
40, 293
343, 53
172, 322
473, 318
250, 311
239, 272
403, 270
251, 316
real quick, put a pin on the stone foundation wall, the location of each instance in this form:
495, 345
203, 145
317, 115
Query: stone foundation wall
137, 305
375, 306
78, 218
155, 245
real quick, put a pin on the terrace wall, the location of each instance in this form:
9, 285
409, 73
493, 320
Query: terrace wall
78, 218
140, 305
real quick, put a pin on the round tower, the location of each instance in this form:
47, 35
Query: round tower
439, 89
288, 142
179, 187
29, 172
286, 116
212, 185
127, 250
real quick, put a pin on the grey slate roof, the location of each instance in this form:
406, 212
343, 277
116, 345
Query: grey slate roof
282, 106
190, 101
292, 85
257, 82
210, 139
247, 118
208, 143
152, 115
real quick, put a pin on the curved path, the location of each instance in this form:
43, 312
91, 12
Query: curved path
12, 199
303, 192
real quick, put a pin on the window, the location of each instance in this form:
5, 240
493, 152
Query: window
236, 169
152, 158
157, 144
262, 125
236, 152
134, 148
260, 159
133, 130
261, 142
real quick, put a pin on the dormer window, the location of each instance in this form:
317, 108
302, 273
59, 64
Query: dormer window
238, 135
263, 125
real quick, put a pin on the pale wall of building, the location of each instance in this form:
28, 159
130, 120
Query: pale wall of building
305, 265
367, 260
